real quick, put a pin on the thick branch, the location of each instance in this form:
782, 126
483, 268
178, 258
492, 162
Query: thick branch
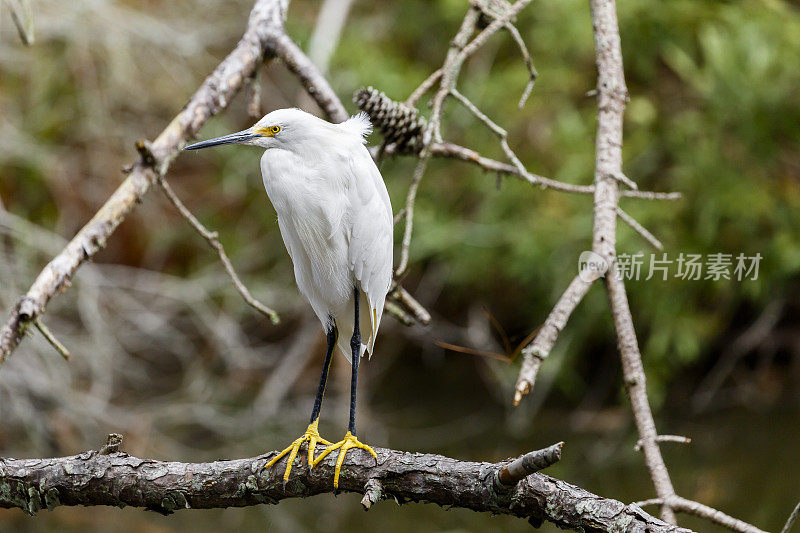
309, 75
264, 38
119, 479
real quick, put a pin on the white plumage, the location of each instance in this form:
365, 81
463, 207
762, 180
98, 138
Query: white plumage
333, 212
336, 222
334, 215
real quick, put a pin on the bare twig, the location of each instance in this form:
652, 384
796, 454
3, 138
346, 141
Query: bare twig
636, 387
264, 38
112, 444
651, 195
450, 71
494, 9
718, 517
213, 240
611, 99
398, 313
404, 298
455, 151
526, 56
625, 180
373, 493
501, 134
703, 511
424, 87
665, 438
638, 228
54, 342
496, 24
516, 164
451, 150
411, 198
310, 77
650, 501
791, 520
399, 216
539, 348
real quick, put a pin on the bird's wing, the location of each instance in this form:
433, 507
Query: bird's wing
370, 238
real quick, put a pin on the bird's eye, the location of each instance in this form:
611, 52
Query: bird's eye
274, 129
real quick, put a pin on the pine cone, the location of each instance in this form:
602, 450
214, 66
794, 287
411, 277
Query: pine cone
399, 123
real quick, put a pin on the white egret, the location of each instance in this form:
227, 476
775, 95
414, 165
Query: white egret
335, 218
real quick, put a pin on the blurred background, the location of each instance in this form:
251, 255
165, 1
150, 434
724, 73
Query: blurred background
165, 352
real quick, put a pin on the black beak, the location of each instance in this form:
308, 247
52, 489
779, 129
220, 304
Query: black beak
240, 137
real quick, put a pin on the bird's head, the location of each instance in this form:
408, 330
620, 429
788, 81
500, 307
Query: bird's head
282, 128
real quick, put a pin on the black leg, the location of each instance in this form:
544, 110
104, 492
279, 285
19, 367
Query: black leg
355, 347
332, 334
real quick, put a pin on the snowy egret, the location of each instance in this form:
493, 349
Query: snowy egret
335, 218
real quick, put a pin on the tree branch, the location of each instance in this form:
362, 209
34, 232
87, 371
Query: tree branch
539, 348
258, 43
112, 478
310, 77
54, 342
718, 517
119, 479
787, 527
612, 95
640, 229
264, 38
455, 151
212, 238
450, 70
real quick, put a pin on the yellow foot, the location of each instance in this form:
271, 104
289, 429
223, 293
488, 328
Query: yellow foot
350, 441
312, 437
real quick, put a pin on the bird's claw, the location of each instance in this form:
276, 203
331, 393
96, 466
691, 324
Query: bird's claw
348, 443
313, 438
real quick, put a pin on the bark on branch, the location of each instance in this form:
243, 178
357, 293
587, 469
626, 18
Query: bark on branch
261, 41
119, 479
612, 96
264, 39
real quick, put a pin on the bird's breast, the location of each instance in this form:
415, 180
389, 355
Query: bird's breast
310, 214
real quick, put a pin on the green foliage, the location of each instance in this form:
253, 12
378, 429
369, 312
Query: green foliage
713, 114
